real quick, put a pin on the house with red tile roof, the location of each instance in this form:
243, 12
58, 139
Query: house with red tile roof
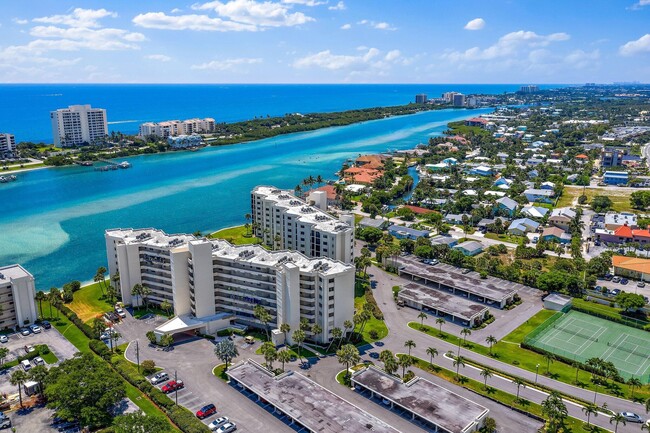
631, 267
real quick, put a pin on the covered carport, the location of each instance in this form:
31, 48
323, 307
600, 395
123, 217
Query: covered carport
187, 322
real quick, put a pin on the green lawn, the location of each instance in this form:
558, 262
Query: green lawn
50, 358
379, 326
509, 351
89, 302
620, 198
306, 353
11, 168
505, 237
603, 310
220, 372
236, 235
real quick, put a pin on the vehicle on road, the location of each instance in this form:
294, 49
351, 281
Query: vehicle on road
4, 339
466, 271
206, 411
5, 423
159, 378
227, 428
35, 329
25, 332
172, 385
536, 239
631, 417
218, 423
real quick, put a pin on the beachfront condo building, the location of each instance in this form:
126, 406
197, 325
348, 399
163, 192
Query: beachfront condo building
212, 284
283, 221
7, 144
17, 292
78, 124
172, 128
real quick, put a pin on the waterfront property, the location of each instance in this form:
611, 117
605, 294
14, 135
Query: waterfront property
457, 310
78, 124
172, 128
434, 406
7, 144
17, 292
284, 221
212, 284
448, 278
183, 141
309, 406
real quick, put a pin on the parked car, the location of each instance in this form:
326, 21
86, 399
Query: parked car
616, 279
120, 312
597, 243
631, 417
29, 348
640, 284
374, 355
5, 423
466, 271
434, 262
218, 423
25, 365
227, 428
172, 385
46, 325
35, 329
206, 411
608, 277
39, 361
4, 339
159, 378
536, 239
25, 332
598, 288
615, 292
624, 281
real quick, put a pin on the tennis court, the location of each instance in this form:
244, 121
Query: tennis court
579, 336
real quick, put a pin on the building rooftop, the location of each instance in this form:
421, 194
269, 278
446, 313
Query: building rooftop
304, 212
150, 236
492, 288
613, 218
305, 401
445, 302
8, 273
408, 231
429, 401
470, 245
632, 263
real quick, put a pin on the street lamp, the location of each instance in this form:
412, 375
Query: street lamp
536, 372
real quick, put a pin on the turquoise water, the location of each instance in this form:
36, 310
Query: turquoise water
53, 220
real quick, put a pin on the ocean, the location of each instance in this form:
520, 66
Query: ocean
53, 219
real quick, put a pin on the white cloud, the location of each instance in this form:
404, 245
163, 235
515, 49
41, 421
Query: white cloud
78, 18
176, 10
340, 6
641, 45
304, 2
346, 27
226, 64
158, 57
263, 14
19, 21
368, 60
392, 55
160, 20
377, 25
580, 59
640, 4
475, 24
508, 45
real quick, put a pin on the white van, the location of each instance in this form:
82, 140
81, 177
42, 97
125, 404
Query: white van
25, 364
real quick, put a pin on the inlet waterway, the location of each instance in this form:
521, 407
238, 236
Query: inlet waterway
53, 220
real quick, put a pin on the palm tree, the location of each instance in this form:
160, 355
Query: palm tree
617, 418
3, 355
634, 383
316, 329
284, 356
136, 290
519, 382
146, 292
348, 354
40, 297
486, 373
432, 351
38, 374
410, 344
285, 328
111, 294
166, 306
337, 333
18, 378
491, 340
226, 351
549, 357
51, 297
422, 316
590, 409
405, 361
459, 361
440, 321
299, 337
319, 180
577, 366
465, 332
263, 316
348, 324
100, 277
647, 406
270, 354
248, 220
97, 326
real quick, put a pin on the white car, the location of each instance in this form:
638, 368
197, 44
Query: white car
29, 348
631, 417
159, 378
25, 331
227, 428
39, 361
35, 329
120, 312
218, 423
3, 339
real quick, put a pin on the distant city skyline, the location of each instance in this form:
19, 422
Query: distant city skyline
320, 41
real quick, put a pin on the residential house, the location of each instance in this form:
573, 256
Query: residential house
444, 240
582, 158
572, 177
495, 193
470, 248
534, 211
450, 161
455, 218
476, 121
481, 170
485, 222
507, 205
522, 226
333, 198
534, 161
533, 174
503, 183
547, 185
562, 217
539, 195
376, 223
402, 232
361, 175
556, 234
616, 177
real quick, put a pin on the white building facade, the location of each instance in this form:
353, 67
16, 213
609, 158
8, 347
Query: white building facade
284, 221
220, 283
78, 124
7, 143
17, 293
172, 128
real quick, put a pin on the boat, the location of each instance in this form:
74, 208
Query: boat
8, 178
124, 164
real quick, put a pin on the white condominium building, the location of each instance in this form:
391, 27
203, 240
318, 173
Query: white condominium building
284, 221
7, 143
213, 284
78, 124
171, 128
17, 294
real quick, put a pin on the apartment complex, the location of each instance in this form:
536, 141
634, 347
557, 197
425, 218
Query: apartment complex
213, 284
17, 294
7, 143
172, 128
78, 124
284, 221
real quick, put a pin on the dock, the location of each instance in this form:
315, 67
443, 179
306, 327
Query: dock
112, 165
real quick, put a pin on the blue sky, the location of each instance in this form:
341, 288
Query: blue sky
321, 41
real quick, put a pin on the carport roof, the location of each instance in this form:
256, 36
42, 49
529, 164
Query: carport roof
188, 322
305, 401
454, 305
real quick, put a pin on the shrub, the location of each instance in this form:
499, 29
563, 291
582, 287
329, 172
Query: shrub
148, 367
373, 334
100, 349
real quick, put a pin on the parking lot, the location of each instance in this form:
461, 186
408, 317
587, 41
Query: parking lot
37, 419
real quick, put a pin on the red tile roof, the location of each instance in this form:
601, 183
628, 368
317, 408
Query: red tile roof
624, 231
329, 189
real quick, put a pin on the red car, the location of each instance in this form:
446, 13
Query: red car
172, 386
206, 411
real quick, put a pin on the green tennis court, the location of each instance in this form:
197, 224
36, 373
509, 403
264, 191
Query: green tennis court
579, 336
